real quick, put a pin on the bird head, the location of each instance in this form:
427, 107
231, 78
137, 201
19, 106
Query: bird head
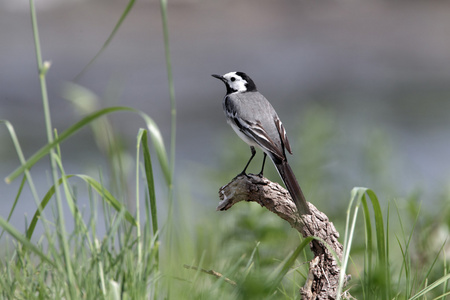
237, 82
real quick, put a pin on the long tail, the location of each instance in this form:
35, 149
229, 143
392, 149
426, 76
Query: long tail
294, 189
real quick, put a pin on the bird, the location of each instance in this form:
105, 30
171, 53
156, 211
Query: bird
256, 122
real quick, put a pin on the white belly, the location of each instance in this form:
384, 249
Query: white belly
245, 138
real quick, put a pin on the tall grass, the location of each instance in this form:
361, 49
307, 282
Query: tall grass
377, 281
65, 268
247, 254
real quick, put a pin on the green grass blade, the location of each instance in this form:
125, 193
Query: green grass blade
356, 195
251, 258
109, 39
138, 202
284, 268
43, 68
151, 190
105, 194
359, 196
173, 110
381, 238
432, 286
369, 243
387, 264
24, 241
173, 120
153, 129
19, 192
80, 224
445, 285
379, 226
427, 275
150, 182
158, 144
407, 265
40, 208
110, 199
19, 152
63, 136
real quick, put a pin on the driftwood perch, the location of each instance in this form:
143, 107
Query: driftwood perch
323, 277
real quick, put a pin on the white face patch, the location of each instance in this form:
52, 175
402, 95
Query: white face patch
235, 82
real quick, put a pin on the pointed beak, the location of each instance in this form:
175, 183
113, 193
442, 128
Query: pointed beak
218, 77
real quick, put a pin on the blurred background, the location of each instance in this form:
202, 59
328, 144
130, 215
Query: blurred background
362, 88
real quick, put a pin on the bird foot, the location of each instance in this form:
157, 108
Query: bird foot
241, 174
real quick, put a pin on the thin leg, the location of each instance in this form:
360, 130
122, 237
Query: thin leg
252, 149
262, 169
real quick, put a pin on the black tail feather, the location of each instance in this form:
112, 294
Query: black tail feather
293, 187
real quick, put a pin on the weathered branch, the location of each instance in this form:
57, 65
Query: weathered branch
323, 278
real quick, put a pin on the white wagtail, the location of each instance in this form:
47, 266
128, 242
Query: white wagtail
256, 122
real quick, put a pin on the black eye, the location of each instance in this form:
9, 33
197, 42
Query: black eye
233, 79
